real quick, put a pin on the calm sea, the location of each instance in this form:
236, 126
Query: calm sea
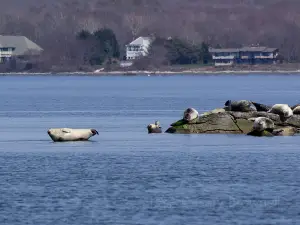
125, 176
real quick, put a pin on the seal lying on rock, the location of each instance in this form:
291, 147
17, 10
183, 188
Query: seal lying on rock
294, 106
240, 106
190, 114
296, 110
69, 134
246, 106
264, 127
220, 110
261, 107
154, 128
283, 110
262, 123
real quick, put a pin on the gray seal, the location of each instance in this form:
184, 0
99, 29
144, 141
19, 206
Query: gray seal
262, 126
70, 134
190, 114
261, 107
154, 128
294, 106
283, 110
262, 123
240, 106
296, 110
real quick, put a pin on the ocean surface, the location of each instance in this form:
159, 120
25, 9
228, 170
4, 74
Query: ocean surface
125, 176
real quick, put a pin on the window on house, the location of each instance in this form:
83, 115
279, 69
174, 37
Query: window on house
266, 53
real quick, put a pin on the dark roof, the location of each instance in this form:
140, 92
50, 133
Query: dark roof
244, 49
20, 43
216, 50
257, 49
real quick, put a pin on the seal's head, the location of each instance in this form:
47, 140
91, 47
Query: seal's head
190, 114
94, 132
54, 132
228, 103
288, 113
154, 126
262, 123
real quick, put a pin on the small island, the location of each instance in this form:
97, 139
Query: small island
221, 121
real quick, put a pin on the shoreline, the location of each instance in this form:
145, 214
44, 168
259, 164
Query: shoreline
154, 73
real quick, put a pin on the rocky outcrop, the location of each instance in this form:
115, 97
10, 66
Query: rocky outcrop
228, 122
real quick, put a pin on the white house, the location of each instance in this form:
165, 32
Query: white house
16, 46
138, 47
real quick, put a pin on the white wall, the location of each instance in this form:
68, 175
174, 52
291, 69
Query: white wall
142, 50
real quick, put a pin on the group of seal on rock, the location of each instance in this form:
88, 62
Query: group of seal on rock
264, 126
283, 110
69, 134
189, 114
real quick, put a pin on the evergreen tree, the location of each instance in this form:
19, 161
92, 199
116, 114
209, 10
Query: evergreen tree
205, 56
102, 45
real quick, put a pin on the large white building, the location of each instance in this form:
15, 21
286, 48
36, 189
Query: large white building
138, 47
16, 46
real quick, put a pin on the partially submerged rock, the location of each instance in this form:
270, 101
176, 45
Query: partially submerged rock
219, 121
285, 131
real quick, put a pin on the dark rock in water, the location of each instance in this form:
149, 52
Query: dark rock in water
221, 122
285, 131
228, 122
263, 133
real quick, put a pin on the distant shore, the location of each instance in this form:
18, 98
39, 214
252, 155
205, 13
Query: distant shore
275, 69
150, 73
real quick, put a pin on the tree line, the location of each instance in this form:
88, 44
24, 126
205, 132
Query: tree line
55, 26
101, 48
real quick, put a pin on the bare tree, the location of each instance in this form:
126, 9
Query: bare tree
54, 24
136, 22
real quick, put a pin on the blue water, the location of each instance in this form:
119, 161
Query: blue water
125, 176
